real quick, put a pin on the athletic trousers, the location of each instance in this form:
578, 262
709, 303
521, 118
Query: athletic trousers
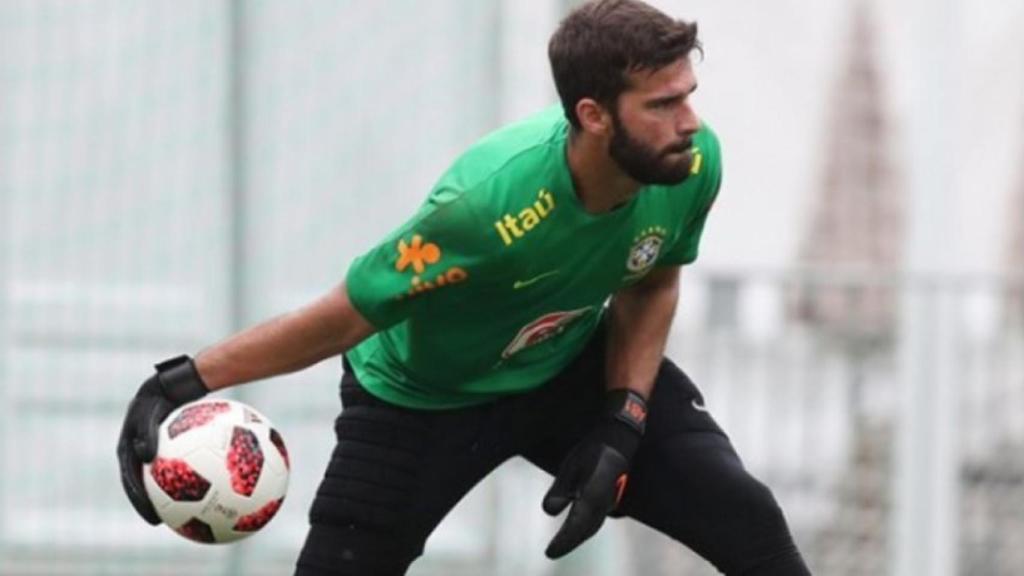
396, 472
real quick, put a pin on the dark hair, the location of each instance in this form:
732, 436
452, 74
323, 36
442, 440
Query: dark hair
597, 45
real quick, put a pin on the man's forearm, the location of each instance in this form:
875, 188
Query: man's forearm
639, 321
327, 327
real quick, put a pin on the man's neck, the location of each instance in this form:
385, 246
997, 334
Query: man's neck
600, 184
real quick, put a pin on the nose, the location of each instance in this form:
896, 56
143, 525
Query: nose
688, 122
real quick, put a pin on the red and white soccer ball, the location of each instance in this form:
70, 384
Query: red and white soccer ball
220, 472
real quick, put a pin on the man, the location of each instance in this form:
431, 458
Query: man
482, 329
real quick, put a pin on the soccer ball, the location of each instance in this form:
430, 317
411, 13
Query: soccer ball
220, 472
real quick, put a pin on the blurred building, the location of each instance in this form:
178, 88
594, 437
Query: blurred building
857, 223
992, 534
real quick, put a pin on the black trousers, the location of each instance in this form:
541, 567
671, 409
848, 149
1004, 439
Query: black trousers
396, 472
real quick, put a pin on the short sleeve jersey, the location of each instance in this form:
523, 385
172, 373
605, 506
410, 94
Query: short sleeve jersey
499, 279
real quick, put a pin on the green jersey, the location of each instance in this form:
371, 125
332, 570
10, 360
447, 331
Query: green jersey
500, 278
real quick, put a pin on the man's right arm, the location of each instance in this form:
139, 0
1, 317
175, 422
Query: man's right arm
327, 327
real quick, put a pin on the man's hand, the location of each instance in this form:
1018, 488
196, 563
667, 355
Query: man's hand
176, 382
593, 476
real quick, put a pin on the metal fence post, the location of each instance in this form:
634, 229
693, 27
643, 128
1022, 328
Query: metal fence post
927, 457
236, 189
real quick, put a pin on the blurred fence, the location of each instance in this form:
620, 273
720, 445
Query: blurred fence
804, 370
812, 402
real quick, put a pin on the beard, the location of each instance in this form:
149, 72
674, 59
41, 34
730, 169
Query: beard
646, 165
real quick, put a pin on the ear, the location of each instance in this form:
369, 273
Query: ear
594, 118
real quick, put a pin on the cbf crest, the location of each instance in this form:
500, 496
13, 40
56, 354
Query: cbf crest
646, 248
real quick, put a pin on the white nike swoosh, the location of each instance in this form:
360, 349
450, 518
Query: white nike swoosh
698, 406
524, 283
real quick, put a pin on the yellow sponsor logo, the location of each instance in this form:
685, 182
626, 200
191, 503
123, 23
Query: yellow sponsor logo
698, 161
418, 255
513, 227
453, 275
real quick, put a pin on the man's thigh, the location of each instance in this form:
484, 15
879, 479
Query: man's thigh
392, 477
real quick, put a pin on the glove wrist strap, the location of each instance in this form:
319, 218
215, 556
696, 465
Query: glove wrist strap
628, 407
180, 381
626, 420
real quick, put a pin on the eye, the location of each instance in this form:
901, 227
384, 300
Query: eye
666, 103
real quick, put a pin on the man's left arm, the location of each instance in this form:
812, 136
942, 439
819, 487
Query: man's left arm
593, 476
639, 319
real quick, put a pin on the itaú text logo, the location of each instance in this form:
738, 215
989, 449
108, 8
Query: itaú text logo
418, 255
513, 227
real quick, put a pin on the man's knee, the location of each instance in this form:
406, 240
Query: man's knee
694, 488
354, 551
763, 545
362, 521
357, 533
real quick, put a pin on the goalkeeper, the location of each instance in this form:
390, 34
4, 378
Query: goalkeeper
522, 311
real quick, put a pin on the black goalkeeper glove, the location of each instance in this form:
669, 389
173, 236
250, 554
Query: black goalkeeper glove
593, 476
176, 382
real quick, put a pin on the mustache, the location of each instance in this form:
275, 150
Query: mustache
683, 146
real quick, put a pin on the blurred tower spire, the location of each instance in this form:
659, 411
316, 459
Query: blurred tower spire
1015, 256
856, 226
857, 220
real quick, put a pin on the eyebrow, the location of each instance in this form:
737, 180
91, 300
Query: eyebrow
673, 97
